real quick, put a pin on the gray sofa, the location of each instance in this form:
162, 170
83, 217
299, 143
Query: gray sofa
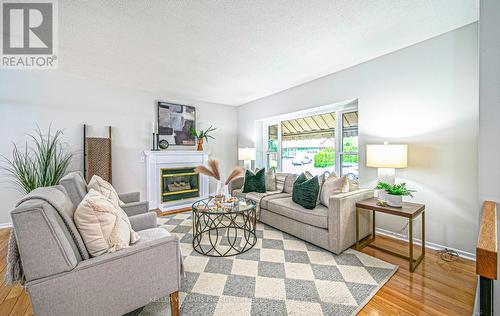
61, 277
332, 228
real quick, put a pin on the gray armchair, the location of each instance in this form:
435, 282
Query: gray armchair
62, 279
138, 211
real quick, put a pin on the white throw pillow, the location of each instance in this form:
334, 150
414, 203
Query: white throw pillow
104, 226
105, 188
332, 186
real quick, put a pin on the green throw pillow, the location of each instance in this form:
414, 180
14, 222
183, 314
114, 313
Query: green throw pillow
255, 182
305, 192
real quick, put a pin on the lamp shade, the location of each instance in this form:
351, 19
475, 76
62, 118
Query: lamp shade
387, 156
246, 153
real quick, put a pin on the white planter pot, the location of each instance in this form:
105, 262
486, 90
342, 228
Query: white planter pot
382, 195
394, 200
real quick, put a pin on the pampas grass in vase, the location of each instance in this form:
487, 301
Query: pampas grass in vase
213, 171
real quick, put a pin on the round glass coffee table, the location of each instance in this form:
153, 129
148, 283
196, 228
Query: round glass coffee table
223, 229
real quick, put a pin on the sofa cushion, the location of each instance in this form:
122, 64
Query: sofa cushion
103, 225
305, 192
286, 207
264, 202
151, 234
255, 182
257, 196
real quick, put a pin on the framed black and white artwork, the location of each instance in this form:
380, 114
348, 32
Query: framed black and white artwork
175, 122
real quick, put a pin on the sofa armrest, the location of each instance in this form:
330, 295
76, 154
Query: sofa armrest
143, 221
237, 183
136, 208
130, 197
111, 284
342, 219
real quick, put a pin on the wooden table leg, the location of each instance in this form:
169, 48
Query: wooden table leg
373, 225
174, 303
410, 221
357, 228
423, 232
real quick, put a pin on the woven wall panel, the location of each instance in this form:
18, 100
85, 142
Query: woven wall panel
98, 158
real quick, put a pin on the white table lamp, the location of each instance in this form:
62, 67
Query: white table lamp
387, 158
247, 155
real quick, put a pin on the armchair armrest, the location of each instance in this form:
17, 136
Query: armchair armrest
143, 221
237, 183
130, 197
342, 219
114, 283
135, 208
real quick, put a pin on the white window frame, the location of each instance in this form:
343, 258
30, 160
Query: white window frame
338, 110
339, 141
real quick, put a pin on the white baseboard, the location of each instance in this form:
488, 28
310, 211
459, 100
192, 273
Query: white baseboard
431, 245
5, 225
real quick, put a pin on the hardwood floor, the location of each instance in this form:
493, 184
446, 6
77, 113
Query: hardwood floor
435, 288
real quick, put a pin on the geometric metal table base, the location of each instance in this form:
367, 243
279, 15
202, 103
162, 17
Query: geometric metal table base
224, 233
368, 242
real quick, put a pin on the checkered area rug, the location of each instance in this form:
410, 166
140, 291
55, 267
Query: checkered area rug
280, 275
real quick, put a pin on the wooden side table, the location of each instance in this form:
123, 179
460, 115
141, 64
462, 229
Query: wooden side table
409, 211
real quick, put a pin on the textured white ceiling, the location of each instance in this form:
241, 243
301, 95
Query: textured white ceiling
236, 51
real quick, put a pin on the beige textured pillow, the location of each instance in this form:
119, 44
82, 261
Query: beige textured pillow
353, 185
104, 226
332, 186
105, 188
270, 180
280, 180
321, 180
289, 181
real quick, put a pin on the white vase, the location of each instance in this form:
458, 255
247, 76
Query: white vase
394, 200
222, 189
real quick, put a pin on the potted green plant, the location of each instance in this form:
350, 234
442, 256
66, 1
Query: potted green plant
40, 165
203, 135
395, 193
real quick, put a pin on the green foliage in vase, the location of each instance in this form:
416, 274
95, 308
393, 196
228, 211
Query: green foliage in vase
397, 189
42, 164
203, 134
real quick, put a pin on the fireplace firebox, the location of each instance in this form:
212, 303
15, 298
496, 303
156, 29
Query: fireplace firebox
179, 184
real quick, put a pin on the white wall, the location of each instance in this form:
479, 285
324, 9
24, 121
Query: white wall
489, 109
425, 95
28, 98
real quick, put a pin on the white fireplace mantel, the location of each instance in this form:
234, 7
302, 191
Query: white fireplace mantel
156, 160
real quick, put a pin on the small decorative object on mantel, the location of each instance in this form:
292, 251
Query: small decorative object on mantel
213, 171
203, 135
154, 128
163, 144
395, 193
